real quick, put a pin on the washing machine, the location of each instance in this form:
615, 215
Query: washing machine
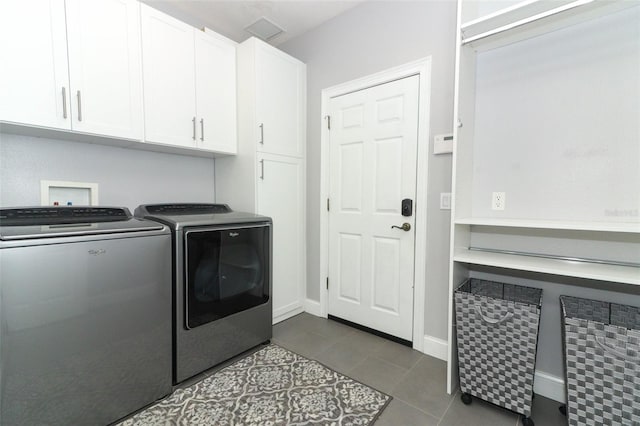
85, 315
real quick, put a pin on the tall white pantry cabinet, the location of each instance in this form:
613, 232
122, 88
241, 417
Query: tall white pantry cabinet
267, 176
546, 108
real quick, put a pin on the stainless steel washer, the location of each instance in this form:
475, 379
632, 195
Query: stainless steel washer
85, 318
222, 282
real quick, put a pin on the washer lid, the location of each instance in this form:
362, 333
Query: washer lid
42, 222
27, 216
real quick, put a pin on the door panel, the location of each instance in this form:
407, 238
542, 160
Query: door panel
169, 79
373, 148
386, 264
387, 170
351, 176
105, 65
350, 268
216, 93
279, 101
280, 196
34, 75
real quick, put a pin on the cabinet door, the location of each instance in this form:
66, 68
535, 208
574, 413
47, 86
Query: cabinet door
168, 79
34, 76
216, 93
105, 67
279, 102
280, 196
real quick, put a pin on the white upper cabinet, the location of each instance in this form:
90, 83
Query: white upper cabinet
34, 78
116, 72
280, 98
215, 73
169, 79
79, 71
189, 85
105, 67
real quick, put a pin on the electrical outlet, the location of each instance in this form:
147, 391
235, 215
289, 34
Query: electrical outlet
498, 200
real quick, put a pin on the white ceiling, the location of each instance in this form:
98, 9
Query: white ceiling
230, 17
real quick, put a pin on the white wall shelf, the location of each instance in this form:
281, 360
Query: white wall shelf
619, 227
578, 269
531, 18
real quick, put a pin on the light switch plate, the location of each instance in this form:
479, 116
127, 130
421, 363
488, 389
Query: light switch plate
445, 201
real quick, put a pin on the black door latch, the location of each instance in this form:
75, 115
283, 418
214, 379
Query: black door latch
407, 207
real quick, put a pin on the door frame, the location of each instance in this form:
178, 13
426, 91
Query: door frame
422, 68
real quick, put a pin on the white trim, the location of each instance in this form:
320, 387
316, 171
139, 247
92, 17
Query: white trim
437, 348
421, 67
312, 307
549, 386
287, 312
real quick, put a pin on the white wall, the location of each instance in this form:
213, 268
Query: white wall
369, 38
126, 177
557, 124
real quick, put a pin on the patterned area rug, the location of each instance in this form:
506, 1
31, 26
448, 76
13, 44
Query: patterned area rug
272, 386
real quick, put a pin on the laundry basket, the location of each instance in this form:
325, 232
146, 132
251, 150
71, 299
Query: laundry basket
497, 331
602, 362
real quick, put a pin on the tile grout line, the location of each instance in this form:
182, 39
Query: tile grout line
393, 363
418, 408
407, 402
453, 399
356, 365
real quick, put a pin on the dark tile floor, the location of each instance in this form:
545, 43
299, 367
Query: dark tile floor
417, 382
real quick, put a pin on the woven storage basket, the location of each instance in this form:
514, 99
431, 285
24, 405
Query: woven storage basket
602, 362
497, 329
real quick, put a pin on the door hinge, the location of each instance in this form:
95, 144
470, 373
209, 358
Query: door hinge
327, 283
328, 117
328, 205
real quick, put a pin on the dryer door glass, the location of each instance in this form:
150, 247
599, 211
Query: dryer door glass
227, 271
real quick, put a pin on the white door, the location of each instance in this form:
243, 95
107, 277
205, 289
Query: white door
105, 67
34, 75
279, 102
169, 79
215, 93
280, 195
373, 151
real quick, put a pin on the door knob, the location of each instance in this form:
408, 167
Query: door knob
406, 227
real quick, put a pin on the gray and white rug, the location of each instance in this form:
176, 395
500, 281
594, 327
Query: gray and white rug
272, 386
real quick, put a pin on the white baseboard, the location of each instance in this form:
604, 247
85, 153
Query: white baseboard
287, 312
549, 386
435, 347
312, 307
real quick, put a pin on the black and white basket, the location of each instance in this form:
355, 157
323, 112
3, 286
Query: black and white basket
497, 330
602, 362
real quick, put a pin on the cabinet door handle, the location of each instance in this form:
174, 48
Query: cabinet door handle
79, 106
262, 169
64, 103
261, 133
194, 128
202, 129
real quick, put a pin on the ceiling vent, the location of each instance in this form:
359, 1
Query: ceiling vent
264, 29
